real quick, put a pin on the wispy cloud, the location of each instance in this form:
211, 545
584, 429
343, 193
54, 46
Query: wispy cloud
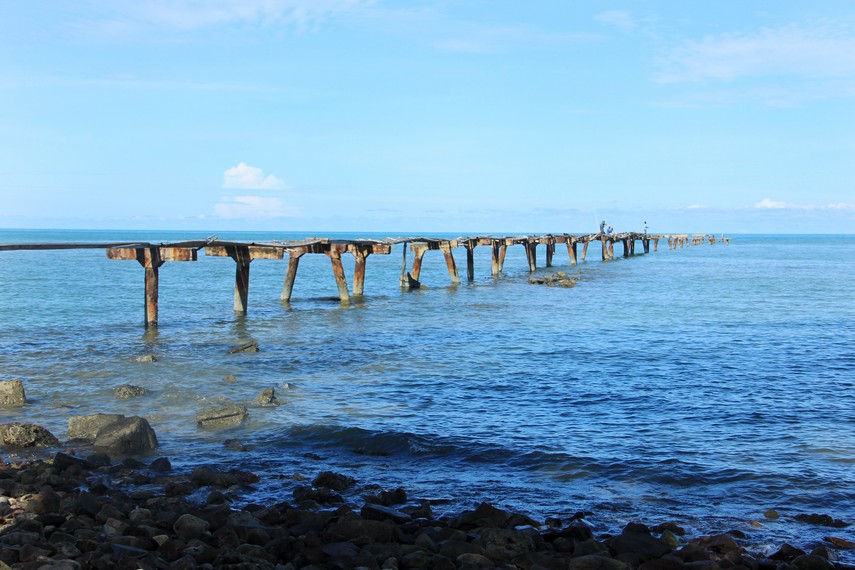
246, 177
248, 207
502, 39
617, 18
768, 204
820, 49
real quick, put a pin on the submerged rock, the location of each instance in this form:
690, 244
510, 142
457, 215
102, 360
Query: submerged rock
126, 391
26, 435
145, 358
267, 397
12, 393
223, 416
559, 279
251, 346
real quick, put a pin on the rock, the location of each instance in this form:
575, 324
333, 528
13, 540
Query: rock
145, 358
267, 397
374, 512
224, 416
811, 562
26, 435
127, 391
251, 346
127, 436
474, 561
822, 520
45, 502
486, 515
559, 279
62, 461
12, 393
189, 526
840, 542
787, 552
161, 465
506, 544
334, 481
635, 541
771, 514
230, 378
206, 477
87, 427
595, 562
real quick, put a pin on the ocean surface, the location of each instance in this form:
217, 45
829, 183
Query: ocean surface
701, 386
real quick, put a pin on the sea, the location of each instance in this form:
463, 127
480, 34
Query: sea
712, 386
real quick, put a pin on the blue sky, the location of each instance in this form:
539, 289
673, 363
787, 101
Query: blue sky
428, 116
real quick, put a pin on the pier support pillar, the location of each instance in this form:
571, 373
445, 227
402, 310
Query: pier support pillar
290, 275
645, 243
585, 250
550, 251
361, 254
445, 248
495, 267
625, 243
571, 251
470, 259
531, 255
502, 251
418, 250
242, 259
338, 272
149, 258
605, 245
611, 246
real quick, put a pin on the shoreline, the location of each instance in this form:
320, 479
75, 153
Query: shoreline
71, 512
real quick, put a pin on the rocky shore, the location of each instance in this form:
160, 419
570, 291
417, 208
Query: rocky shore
72, 512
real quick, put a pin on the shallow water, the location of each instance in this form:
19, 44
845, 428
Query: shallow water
701, 386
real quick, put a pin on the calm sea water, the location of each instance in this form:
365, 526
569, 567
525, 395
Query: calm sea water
700, 386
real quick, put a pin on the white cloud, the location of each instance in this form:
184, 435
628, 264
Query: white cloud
768, 204
247, 177
697, 207
821, 49
617, 18
252, 207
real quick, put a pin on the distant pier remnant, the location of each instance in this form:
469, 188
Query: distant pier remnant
151, 256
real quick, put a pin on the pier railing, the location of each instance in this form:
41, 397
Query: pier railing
151, 256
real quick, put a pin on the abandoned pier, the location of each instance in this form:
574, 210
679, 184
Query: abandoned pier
151, 256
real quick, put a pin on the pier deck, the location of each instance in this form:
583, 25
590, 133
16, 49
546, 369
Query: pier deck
151, 256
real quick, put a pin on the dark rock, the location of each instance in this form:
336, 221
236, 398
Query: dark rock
374, 512
787, 552
127, 391
334, 481
822, 520
812, 562
45, 502
251, 346
189, 526
506, 544
12, 393
485, 515
63, 461
127, 436
353, 528
267, 397
205, 476
87, 427
161, 465
26, 435
559, 279
595, 562
474, 561
641, 544
223, 416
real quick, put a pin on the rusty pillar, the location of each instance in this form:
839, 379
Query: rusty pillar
149, 258
571, 251
338, 272
361, 254
495, 267
419, 250
445, 248
470, 260
550, 251
502, 251
290, 275
585, 250
242, 259
625, 243
611, 250
655, 244
531, 255
645, 243
605, 248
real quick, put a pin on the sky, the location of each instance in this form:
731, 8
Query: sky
420, 116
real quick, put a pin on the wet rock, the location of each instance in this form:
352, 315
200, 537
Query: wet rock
63, 461
787, 552
334, 481
235, 445
636, 541
230, 378
12, 393
506, 544
161, 465
87, 427
353, 528
127, 436
374, 512
251, 346
189, 526
840, 542
595, 562
822, 520
26, 435
486, 516
127, 391
221, 417
474, 561
267, 397
558, 279
207, 477
321, 495
771, 514
812, 562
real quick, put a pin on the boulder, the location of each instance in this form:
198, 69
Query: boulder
334, 481
223, 416
126, 391
251, 346
87, 427
267, 397
146, 358
12, 393
559, 279
507, 544
26, 435
127, 436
